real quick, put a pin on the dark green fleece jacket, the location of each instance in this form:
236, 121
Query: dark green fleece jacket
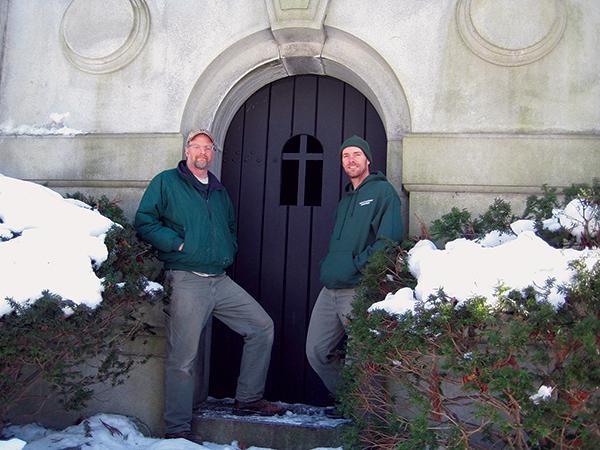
365, 219
177, 209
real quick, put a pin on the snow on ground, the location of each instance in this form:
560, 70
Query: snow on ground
56, 126
296, 414
101, 432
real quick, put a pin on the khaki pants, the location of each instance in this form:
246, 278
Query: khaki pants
325, 332
193, 300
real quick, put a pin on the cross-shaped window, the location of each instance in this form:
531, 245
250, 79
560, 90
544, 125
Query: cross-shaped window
301, 171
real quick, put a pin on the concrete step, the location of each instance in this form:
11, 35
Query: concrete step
302, 427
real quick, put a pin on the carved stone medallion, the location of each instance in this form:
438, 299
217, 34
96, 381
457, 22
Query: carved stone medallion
102, 36
511, 32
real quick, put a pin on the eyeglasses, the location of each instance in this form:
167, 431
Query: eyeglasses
206, 148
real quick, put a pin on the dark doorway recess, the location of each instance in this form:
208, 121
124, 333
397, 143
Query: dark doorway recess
281, 166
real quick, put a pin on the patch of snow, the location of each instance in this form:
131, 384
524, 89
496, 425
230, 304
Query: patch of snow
56, 126
466, 269
495, 238
55, 239
107, 432
579, 217
29, 432
5, 232
422, 250
152, 287
79, 203
397, 303
543, 394
522, 225
12, 444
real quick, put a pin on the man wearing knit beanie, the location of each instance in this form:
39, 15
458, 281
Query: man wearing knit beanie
367, 216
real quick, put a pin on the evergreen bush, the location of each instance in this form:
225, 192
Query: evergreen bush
73, 353
466, 375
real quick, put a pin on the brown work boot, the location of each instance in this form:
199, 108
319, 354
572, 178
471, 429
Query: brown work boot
261, 407
183, 435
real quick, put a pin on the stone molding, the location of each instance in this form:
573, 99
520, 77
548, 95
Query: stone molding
297, 26
91, 160
119, 166
296, 13
470, 170
497, 162
119, 58
499, 55
254, 62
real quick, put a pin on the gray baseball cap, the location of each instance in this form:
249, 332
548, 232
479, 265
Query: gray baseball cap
192, 134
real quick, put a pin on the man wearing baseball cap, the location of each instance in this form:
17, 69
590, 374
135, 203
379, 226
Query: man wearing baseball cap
367, 216
187, 215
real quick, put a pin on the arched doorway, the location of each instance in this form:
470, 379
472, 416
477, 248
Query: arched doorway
281, 167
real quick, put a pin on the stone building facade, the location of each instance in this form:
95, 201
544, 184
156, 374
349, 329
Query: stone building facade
478, 98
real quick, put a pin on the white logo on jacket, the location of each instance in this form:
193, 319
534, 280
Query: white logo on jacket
366, 202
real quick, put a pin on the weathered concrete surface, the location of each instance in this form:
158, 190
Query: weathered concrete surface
140, 396
118, 166
276, 435
469, 171
463, 126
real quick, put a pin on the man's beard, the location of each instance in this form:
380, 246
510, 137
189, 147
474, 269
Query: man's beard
202, 165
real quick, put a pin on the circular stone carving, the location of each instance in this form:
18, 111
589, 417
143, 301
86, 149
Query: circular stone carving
482, 26
102, 36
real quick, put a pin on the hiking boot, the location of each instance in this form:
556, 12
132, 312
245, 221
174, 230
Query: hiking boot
261, 407
183, 435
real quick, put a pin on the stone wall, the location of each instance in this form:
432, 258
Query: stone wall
471, 170
140, 396
116, 165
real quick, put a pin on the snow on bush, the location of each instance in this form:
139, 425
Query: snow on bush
48, 243
465, 268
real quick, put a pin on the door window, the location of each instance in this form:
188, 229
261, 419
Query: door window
301, 171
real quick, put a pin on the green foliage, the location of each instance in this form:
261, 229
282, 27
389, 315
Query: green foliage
107, 207
540, 208
461, 375
450, 375
74, 352
460, 224
497, 217
453, 225
585, 191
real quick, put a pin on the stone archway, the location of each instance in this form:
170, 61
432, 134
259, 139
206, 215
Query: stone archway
255, 61
270, 55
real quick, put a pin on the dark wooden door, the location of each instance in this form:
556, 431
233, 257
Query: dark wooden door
281, 166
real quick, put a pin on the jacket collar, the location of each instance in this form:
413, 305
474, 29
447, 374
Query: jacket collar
184, 172
371, 177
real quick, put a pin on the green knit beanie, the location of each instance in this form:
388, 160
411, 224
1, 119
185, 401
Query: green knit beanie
356, 141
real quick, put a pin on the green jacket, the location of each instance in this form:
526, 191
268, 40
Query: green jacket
176, 209
365, 219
